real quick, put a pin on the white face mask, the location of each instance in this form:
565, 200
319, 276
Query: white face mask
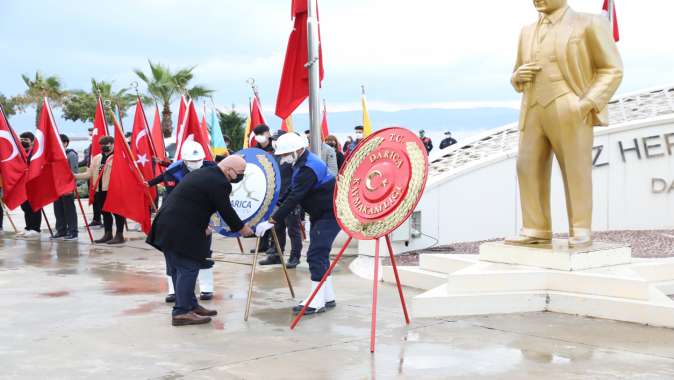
194, 165
261, 139
289, 159
359, 135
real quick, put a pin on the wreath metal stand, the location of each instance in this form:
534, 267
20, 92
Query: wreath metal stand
252, 271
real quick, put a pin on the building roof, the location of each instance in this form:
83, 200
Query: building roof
502, 142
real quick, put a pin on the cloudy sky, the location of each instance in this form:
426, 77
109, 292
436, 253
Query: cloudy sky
409, 54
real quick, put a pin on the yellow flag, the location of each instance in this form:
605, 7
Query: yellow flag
287, 124
367, 126
246, 132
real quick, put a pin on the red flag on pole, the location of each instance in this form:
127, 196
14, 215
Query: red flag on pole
256, 119
13, 165
100, 130
192, 130
181, 117
141, 145
324, 124
127, 194
49, 174
158, 136
612, 17
294, 87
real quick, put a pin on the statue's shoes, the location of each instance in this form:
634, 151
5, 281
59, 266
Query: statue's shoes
526, 240
580, 241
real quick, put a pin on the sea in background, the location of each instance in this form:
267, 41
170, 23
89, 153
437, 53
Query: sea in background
463, 123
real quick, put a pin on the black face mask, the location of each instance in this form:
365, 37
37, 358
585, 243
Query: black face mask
25, 144
239, 178
106, 149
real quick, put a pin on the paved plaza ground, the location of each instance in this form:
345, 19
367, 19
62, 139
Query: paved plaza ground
76, 311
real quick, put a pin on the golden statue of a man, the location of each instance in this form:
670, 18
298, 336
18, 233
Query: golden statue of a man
568, 68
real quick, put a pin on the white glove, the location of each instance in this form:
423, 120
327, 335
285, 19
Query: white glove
263, 227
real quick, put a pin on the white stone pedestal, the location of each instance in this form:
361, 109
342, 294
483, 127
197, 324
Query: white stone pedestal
602, 281
557, 255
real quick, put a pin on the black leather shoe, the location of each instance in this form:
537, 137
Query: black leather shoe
292, 263
310, 310
205, 296
170, 298
270, 260
330, 304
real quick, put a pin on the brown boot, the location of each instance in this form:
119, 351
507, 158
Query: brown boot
106, 237
118, 239
189, 319
200, 310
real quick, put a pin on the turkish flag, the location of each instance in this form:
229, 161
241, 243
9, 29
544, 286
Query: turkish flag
141, 145
614, 17
294, 87
127, 193
49, 174
158, 136
192, 130
13, 166
256, 119
100, 130
181, 116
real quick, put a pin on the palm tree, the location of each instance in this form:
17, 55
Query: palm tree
38, 88
165, 85
81, 105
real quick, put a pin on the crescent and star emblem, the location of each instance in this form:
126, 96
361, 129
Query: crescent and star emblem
368, 181
15, 149
142, 134
39, 137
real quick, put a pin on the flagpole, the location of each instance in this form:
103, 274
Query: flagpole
314, 78
610, 14
84, 216
6, 211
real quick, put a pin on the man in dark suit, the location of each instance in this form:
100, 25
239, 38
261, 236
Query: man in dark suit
181, 231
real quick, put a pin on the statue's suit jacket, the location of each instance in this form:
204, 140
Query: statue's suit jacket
588, 59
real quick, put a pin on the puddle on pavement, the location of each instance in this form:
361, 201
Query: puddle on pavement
218, 324
55, 294
144, 308
119, 281
482, 361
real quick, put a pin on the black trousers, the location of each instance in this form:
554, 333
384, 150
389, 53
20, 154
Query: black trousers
99, 199
66, 215
32, 218
98, 208
292, 223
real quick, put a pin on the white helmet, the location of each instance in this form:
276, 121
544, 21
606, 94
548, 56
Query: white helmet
290, 142
192, 151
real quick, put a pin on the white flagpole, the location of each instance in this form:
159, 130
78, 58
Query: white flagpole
314, 78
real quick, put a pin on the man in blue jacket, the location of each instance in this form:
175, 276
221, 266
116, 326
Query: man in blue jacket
311, 186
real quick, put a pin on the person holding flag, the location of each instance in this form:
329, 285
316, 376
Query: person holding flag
64, 207
100, 171
100, 129
32, 218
